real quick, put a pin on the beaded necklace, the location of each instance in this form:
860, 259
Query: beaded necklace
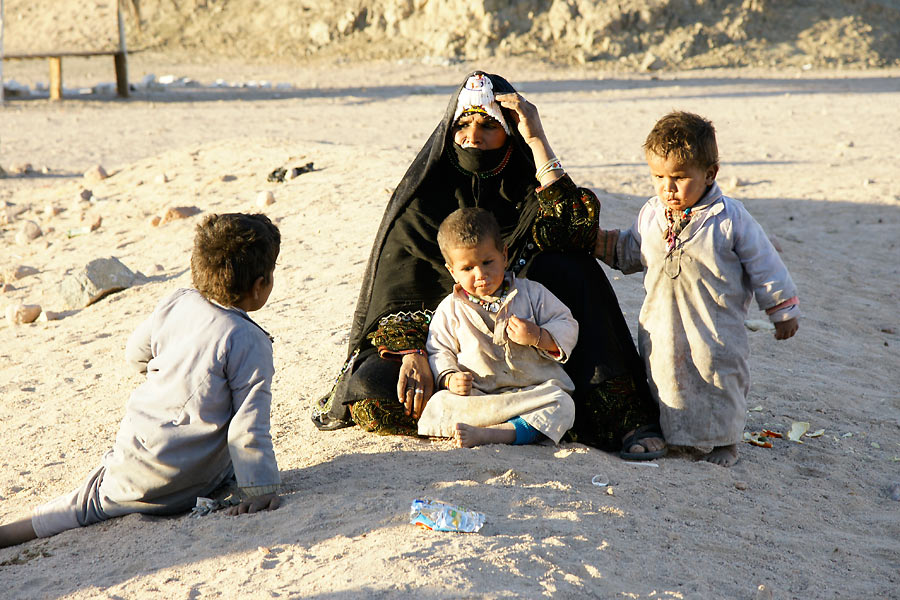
675, 226
482, 174
491, 306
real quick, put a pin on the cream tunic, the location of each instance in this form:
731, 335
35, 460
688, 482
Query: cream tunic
510, 380
692, 335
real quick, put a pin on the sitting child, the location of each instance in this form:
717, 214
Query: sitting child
495, 346
704, 259
202, 415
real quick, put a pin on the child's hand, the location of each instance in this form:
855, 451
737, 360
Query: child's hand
605, 245
460, 383
786, 329
523, 332
255, 504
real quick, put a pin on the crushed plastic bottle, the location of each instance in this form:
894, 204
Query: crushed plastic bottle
439, 516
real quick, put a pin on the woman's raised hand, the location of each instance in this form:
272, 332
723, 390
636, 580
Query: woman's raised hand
525, 114
415, 385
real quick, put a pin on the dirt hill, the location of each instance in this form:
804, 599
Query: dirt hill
622, 34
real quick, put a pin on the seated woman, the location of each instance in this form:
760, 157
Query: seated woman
490, 151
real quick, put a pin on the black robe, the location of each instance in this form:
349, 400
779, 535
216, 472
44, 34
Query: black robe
406, 271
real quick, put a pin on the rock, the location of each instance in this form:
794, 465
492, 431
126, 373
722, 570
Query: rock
161, 178
154, 221
21, 169
100, 277
19, 272
85, 195
49, 315
740, 485
652, 62
894, 492
179, 212
29, 231
265, 199
95, 174
227, 178
51, 210
22, 313
7, 287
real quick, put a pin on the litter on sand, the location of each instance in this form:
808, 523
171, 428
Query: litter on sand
600, 481
798, 428
439, 516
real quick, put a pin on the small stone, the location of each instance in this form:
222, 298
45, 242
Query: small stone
609, 491
265, 199
20, 271
868, 182
179, 212
85, 195
894, 491
97, 222
154, 221
22, 313
51, 210
21, 169
740, 485
45, 170
49, 315
651, 62
95, 174
161, 178
29, 231
7, 287
227, 178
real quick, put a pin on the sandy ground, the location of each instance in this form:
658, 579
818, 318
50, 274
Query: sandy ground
811, 155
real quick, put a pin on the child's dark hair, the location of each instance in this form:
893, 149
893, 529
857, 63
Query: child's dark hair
231, 252
688, 138
466, 228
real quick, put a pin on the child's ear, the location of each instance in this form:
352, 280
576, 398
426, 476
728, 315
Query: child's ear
711, 173
505, 252
257, 287
449, 268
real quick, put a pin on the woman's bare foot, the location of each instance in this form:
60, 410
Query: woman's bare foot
646, 444
469, 436
724, 456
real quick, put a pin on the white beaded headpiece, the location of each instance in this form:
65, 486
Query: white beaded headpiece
477, 96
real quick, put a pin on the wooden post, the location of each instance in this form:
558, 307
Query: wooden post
56, 78
121, 57
1, 51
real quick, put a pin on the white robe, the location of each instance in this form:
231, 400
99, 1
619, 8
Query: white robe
692, 336
510, 380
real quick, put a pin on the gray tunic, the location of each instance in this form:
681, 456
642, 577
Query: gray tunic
692, 335
510, 380
201, 415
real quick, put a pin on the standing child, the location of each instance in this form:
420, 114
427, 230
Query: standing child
704, 259
202, 415
496, 345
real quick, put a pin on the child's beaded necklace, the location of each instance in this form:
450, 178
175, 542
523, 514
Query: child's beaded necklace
492, 305
676, 224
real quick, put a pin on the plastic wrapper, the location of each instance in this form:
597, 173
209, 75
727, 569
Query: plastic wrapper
439, 516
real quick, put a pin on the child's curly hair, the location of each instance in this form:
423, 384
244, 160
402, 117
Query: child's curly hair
687, 137
231, 252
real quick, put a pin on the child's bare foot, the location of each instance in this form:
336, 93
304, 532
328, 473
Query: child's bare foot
469, 436
724, 456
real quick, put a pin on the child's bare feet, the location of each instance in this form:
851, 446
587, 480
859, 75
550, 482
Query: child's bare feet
724, 456
469, 436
